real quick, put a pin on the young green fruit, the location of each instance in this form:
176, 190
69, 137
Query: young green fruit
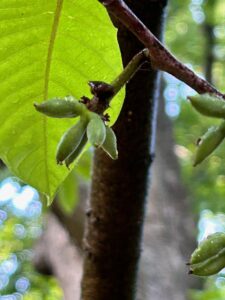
110, 144
61, 108
209, 142
208, 248
96, 131
75, 154
209, 257
209, 105
71, 140
210, 266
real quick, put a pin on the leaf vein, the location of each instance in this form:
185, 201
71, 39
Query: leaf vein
55, 25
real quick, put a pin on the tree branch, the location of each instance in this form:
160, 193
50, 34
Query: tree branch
129, 71
104, 92
161, 58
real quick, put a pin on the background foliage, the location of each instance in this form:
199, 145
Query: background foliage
187, 37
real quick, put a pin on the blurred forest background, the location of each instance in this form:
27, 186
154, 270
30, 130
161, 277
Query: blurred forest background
195, 32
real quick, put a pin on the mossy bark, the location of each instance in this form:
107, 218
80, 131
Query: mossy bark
117, 205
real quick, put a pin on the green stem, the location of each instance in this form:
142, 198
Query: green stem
129, 71
99, 104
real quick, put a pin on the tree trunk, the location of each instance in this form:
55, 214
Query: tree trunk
117, 205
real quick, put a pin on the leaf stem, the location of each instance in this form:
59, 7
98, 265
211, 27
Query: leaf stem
129, 71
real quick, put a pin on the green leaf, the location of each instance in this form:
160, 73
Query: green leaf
48, 49
68, 193
84, 166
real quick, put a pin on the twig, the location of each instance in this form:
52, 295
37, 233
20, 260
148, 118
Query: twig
104, 92
130, 70
161, 58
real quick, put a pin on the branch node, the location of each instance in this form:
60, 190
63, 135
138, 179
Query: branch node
88, 212
101, 90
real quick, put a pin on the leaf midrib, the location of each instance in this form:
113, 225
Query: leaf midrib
53, 34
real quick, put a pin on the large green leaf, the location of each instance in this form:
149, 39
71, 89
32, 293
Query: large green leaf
68, 194
48, 48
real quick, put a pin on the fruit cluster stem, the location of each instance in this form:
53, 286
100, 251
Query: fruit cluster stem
129, 71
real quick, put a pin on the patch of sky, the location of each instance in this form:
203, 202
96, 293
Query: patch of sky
8, 189
21, 201
22, 284
10, 265
196, 11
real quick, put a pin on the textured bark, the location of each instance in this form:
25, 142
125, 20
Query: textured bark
115, 219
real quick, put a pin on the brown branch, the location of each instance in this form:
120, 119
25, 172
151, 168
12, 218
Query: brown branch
161, 58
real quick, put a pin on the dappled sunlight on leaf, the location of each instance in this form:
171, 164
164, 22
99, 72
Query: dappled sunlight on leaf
52, 53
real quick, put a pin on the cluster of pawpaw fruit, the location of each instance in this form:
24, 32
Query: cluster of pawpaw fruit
90, 127
209, 258
211, 106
